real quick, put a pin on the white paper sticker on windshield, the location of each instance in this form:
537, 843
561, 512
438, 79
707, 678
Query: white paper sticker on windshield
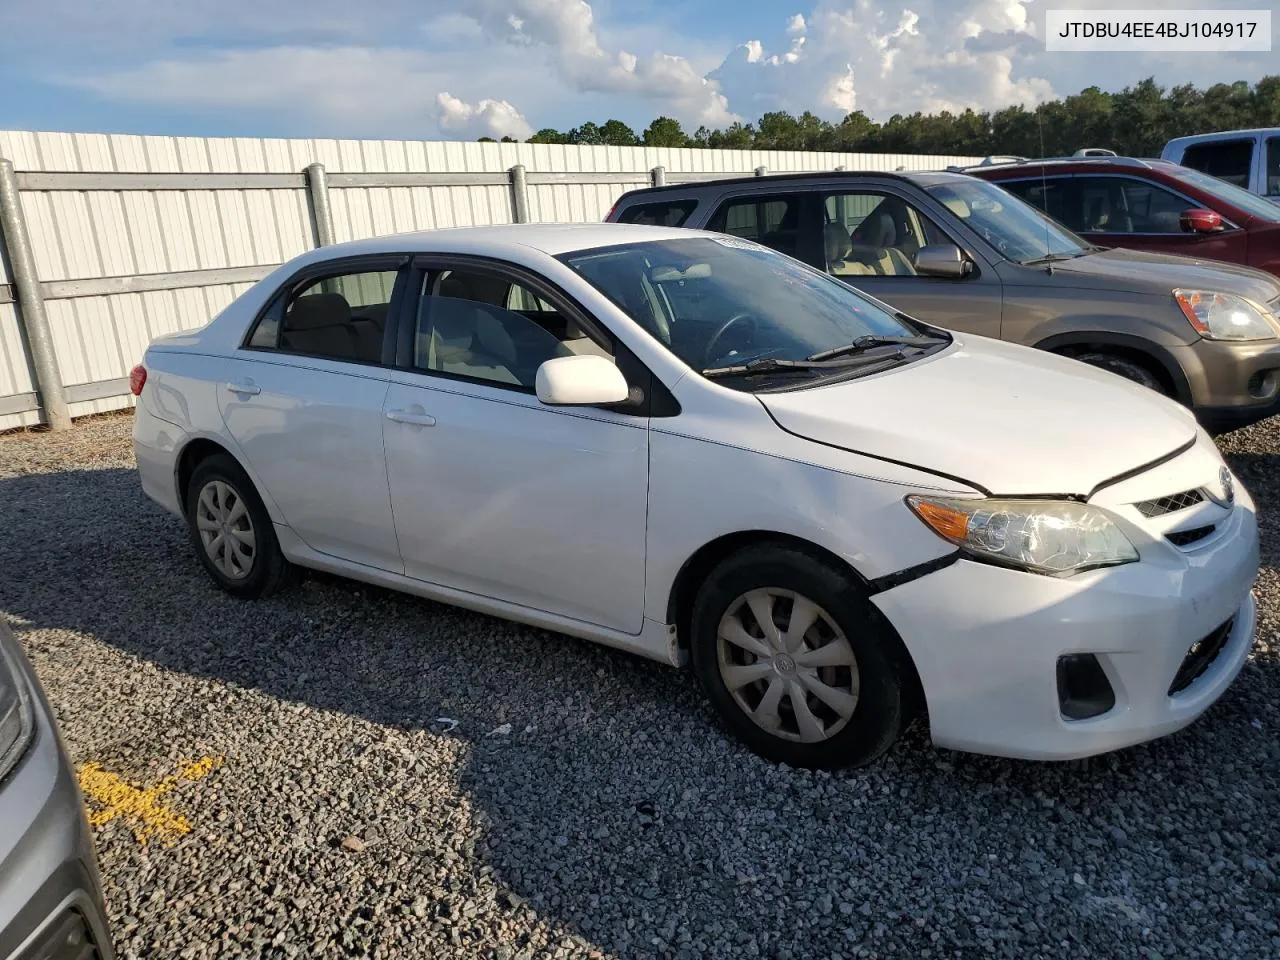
740, 242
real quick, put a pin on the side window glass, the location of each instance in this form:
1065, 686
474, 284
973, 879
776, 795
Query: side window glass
670, 214
1228, 160
482, 327
1152, 209
874, 235
1273, 167
770, 221
339, 318
1057, 198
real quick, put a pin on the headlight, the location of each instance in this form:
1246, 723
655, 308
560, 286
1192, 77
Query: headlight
15, 714
1055, 537
1225, 316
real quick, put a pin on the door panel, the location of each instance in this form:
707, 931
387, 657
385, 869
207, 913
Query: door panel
313, 434
507, 498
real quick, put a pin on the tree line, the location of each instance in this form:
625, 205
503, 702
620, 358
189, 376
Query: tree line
1136, 121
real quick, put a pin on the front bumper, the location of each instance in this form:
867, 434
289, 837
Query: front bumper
50, 891
986, 642
1232, 384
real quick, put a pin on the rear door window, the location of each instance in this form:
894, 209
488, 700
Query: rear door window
669, 213
772, 221
1229, 160
1054, 195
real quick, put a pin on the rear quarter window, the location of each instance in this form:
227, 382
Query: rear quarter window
668, 213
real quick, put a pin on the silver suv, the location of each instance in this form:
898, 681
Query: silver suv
50, 891
959, 252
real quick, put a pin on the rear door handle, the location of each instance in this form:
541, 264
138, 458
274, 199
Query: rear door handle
415, 417
248, 388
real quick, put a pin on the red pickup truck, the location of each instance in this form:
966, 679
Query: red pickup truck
1147, 205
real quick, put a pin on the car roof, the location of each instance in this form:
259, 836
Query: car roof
1086, 164
921, 178
1221, 135
549, 238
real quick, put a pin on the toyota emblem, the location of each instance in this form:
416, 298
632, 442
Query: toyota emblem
1228, 484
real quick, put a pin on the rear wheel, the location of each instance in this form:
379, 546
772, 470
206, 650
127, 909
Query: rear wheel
1129, 369
232, 531
796, 661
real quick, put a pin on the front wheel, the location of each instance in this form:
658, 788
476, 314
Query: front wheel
796, 661
1129, 369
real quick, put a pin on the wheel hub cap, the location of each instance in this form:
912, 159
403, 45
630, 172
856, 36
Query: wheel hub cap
226, 529
788, 665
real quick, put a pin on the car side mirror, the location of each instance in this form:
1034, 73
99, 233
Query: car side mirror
582, 380
942, 260
1198, 220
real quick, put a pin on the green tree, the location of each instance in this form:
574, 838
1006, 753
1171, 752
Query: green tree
665, 132
549, 135
615, 133
588, 135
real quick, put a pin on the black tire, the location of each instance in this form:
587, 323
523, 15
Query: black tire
881, 711
267, 570
1129, 369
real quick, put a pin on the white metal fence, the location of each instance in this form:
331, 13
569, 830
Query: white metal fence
131, 237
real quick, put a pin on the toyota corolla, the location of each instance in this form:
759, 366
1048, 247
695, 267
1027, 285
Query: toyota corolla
697, 449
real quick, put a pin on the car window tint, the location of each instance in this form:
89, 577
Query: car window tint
1273, 167
1125, 205
770, 221
484, 327
339, 317
671, 213
1054, 197
1228, 160
874, 234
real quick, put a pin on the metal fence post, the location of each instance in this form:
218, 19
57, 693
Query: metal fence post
31, 313
658, 176
318, 194
761, 171
519, 194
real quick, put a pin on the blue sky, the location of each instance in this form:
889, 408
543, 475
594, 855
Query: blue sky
465, 68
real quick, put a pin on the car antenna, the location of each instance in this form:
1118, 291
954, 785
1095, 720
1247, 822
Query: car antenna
1044, 190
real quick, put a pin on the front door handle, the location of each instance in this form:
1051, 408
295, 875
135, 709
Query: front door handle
248, 388
415, 417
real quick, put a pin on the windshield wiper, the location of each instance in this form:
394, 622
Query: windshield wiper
1052, 258
774, 365
870, 342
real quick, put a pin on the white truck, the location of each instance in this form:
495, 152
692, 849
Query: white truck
1247, 158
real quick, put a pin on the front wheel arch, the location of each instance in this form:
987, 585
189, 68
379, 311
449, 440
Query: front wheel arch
695, 570
1135, 349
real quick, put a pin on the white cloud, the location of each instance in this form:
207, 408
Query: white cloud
488, 118
886, 58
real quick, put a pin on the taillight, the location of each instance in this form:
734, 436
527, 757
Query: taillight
137, 380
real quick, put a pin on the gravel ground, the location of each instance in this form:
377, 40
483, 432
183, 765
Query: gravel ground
586, 803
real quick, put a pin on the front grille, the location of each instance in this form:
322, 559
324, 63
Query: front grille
1202, 653
67, 938
1184, 538
1170, 504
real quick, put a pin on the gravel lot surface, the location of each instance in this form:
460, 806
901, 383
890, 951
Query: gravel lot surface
586, 803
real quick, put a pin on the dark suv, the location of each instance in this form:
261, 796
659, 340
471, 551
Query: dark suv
958, 252
1148, 205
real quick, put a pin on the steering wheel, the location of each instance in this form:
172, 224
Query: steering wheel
724, 328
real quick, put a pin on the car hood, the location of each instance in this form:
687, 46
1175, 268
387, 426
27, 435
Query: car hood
1140, 271
1008, 419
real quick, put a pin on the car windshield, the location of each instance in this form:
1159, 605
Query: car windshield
1014, 227
1251, 203
721, 303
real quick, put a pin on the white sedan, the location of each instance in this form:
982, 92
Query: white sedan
685, 445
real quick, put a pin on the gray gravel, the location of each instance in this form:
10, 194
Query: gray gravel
586, 803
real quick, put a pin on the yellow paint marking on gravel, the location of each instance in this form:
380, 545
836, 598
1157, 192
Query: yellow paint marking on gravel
141, 806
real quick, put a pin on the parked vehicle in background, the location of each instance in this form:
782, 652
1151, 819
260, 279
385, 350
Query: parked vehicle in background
692, 447
1250, 159
1148, 205
958, 252
50, 892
